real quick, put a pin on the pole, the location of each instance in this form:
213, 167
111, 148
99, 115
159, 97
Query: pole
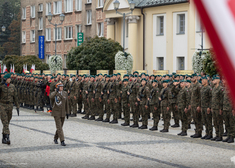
124, 21
56, 36
202, 37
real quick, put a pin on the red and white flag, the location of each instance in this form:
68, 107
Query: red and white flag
11, 68
5, 68
32, 68
24, 68
218, 17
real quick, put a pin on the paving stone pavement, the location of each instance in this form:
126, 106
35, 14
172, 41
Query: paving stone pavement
92, 144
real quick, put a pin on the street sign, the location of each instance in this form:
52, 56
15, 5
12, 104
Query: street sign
41, 47
80, 38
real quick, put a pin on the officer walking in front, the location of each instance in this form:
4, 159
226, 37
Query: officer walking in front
8, 96
60, 109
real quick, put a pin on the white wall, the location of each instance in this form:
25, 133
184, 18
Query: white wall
126, 38
159, 42
180, 42
198, 33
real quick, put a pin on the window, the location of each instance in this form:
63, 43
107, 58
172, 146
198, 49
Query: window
65, 64
40, 7
48, 8
32, 11
57, 7
181, 24
160, 25
23, 37
180, 61
160, 63
40, 23
89, 1
68, 32
68, 5
48, 34
89, 14
100, 3
32, 36
78, 5
23, 13
100, 29
58, 33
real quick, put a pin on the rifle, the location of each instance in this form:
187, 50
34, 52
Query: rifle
141, 94
162, 95
71, 88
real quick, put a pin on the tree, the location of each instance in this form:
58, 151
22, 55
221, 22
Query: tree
94, 54
19, 61
12, 47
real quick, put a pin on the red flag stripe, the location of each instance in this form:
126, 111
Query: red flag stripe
221, 55
231, 5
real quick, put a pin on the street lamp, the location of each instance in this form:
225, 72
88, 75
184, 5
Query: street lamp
49, 17
116, 5
3, 28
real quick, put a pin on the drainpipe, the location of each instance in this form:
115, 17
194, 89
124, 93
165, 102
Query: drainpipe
143, 38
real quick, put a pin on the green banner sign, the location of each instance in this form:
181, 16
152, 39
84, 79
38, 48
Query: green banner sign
80, 38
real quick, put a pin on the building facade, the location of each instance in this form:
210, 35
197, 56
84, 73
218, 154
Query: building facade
84, 16
160, 34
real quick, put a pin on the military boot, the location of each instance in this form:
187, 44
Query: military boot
114, 122
99, 119
226, 140
231, 139
125, 124
79, 111
21, 104
83, 112
175, 126
180, 133
91, 118
197, 136
37, 108
226, 133
4, 141
213, 139
204, 137
8, 139
154, 128
184, 133
62, 143
219, 139
143, 127
164, 130
106, 120
134, 126
209, 137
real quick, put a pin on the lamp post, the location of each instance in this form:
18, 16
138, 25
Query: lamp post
116, 4
49, 17
3, 28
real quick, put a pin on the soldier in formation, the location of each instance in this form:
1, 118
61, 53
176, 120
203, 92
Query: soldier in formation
189, 99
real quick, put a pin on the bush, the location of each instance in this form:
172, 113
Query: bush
209, 64
94, 54
19, 61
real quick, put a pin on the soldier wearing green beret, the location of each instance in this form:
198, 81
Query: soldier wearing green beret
8, 96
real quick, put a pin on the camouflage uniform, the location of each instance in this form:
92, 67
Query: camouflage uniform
227, 112
104, 99
182, 103
84, 96
112, 104
206, 97
172, 96
79, 98
73, 88
143, 95
133, 90
189, 90
91, 99
125, 102
98, 102
154, 103
196, 102
8, 95
217, 105
164, 104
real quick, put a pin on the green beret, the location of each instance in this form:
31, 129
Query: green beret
125, 80
146, 74
67, 75
118, 74
7, 76
155, 81
142, 74
58, 74
136, 76
189, 81
73, 76
175, 81
173, 73
193, 75
216, 77
36, 77
92, 76
143, 79
139, 75
107, 76
136, 72
204, 78
126, 75
52, 77
114, 74
183, 81
165, 81
153, 75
